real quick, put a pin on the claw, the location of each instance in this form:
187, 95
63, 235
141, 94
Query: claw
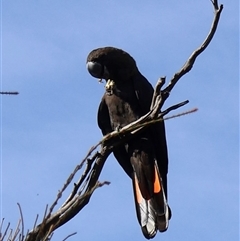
110, 85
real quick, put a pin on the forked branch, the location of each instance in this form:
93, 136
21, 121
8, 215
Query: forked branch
95, 159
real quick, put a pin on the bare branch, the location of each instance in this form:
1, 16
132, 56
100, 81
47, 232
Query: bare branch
181, 114
69, 236
189, 63
6, 230
17, 230
35, 223
21, 214
157, 90
82, 178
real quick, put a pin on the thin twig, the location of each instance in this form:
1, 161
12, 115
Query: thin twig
6, 230
21, 214
82, 178
17, 230
35, 221
69, 236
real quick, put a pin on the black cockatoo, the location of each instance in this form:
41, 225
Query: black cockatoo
144, 158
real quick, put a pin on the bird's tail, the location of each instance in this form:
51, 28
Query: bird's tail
163, 211
152, 212
145, 211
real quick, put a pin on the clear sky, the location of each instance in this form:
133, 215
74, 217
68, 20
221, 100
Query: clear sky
48, 128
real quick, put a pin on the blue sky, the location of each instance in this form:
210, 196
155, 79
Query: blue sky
48, 128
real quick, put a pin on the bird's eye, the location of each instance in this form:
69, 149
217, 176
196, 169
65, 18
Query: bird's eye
95, 69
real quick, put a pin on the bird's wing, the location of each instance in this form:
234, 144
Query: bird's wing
144, 93
103, 118
123, 159
104, 124
160, 147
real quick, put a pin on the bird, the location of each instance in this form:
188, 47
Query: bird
144, 157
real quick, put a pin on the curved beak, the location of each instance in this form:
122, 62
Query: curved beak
95, 69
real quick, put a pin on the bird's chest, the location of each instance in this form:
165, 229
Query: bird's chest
122, 110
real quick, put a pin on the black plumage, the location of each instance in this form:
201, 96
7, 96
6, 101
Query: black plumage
144, 158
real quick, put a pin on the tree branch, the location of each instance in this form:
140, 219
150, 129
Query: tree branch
189, 63
95, 159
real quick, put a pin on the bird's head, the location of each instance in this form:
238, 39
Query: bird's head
111, 63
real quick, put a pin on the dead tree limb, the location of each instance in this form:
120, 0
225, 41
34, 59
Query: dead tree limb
88, 182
